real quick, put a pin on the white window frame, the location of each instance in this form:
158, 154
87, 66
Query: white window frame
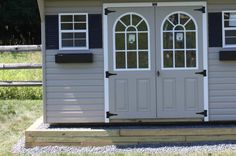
224, 29
73, 31
148, 50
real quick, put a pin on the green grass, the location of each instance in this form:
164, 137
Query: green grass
21, 93
15, 117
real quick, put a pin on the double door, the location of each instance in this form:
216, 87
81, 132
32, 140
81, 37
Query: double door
156, 54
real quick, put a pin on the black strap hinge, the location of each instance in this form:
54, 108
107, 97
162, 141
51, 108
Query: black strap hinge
202, 9
204, 113
108, 114
204, 73
107, 11
108, 74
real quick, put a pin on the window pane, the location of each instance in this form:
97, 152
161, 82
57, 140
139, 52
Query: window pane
131, 29
66, 26
168, 40
230, 19
80, 18
126, 20
67, 43
231, 40
80, 26
120, 60
120, 41
120, 27
80, 43
174, 19
143, 59
80, 35
179, 40
179, 28
131, 41
183, 19
179, 59
191, 58
143, 41
135, 19
191, 40
168, 59
168, 26
132, 59
190, 25
142, 26
66, 18
67, 36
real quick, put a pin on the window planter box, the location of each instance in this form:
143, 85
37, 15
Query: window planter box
74, 58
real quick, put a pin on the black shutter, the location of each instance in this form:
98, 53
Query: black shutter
215, 29
95, 31
52, 33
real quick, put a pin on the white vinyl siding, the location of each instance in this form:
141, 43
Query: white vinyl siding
73, 31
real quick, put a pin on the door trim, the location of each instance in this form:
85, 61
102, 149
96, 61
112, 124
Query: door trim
105, 47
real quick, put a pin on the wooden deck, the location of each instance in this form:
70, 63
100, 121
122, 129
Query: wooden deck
122, 135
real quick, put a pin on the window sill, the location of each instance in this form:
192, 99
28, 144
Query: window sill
74, 58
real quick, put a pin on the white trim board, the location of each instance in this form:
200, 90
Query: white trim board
159, 4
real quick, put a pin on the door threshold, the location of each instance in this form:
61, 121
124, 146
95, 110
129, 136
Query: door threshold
187, 120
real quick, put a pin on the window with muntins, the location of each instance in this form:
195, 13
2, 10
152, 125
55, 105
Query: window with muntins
179, 42
131, 48
229, 28
73, 31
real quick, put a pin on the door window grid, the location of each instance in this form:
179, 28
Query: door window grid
131, 43
179, 42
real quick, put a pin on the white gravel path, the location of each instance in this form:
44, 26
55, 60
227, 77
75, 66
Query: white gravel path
205, 148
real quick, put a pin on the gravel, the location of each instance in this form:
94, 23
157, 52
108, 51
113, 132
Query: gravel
152, 149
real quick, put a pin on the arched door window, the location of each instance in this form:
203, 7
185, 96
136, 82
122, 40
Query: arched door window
131, 43
179, 41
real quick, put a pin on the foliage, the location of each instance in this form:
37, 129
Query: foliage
21, 75
15, 117
19, 22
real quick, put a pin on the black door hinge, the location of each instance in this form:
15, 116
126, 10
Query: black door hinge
108, 74
110, 114
202, 9
154, 4
204, 113
107, 11
204, 73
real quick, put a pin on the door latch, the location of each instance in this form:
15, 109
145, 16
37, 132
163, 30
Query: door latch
202, 73
158, 73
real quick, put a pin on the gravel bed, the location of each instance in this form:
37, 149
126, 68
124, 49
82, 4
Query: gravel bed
153, 149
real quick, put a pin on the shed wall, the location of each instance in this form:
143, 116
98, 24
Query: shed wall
75, 92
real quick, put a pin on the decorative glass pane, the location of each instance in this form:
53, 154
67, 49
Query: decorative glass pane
179, 59
168, 40
126, 20
174, 19
168, 26
80, 43
120, 41
120, 27
80, 26
179, 40
179, 28
66, 18
132, 59
142, 41
142, 26
191, 58
190, 40
131, 29
66, 26
183, 19
168, 59
131, 41
135, 19
143, 59
190, 25
67, 43
80, 18
120, 60
67, 36
80, 35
